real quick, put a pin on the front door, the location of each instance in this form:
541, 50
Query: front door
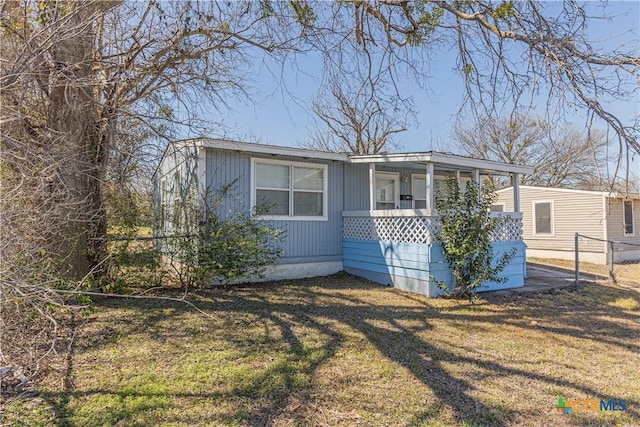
387, 190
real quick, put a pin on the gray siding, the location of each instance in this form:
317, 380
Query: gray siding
573, 212
177, 158
305, 241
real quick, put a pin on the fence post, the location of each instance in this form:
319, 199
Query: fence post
577, 256
612, 277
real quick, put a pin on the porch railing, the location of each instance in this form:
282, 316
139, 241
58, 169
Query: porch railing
414, 227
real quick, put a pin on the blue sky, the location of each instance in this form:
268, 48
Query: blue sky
279, 111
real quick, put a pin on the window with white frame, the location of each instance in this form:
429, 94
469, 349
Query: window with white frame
628, 217
289, 190
419, 191
543, 218
387, 190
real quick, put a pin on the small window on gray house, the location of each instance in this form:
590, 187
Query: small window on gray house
628, 217
543, 218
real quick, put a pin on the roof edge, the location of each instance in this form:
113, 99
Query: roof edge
278, 150
610, 194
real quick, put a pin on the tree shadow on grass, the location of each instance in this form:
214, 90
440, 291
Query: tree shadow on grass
321, 305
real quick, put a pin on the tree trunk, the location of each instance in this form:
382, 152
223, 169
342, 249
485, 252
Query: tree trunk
76, 148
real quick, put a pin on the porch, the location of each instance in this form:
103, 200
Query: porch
390, 222
399, 248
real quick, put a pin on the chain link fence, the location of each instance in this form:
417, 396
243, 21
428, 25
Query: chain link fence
618, 262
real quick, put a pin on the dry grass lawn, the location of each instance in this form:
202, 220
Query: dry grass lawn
342, 351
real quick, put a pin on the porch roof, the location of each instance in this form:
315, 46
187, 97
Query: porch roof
441, 159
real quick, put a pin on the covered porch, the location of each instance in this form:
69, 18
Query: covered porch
392, 240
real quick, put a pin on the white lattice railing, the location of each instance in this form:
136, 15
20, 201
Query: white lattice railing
411, 227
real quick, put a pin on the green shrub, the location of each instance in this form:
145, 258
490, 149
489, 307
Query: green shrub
465, 234
208, 247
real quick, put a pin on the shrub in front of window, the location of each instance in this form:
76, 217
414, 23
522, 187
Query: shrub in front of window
210, 247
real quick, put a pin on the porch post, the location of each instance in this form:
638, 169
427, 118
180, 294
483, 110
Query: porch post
516, 192
372, 185
429, 187
476, 178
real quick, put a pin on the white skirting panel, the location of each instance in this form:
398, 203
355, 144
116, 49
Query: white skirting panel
301, 270
293, 271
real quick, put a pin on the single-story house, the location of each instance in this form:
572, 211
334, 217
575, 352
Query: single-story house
552, 216
369, 215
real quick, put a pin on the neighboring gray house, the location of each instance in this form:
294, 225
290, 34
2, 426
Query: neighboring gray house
371, 216
552, 216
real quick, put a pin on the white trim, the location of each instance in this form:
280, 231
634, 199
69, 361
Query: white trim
512, 215
396, 184
291, 190
516, 192
418, 212
448, 159
551, 219
430, 187
275, 150
605, 223
372, 186
633, 218
389, 212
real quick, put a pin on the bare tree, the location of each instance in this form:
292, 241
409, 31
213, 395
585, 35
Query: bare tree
74, 73
561, 156
82, 84
508, 52
358, 117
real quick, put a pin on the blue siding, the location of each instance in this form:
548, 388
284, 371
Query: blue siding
357, 185
305, 241
228, 168
396, 263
